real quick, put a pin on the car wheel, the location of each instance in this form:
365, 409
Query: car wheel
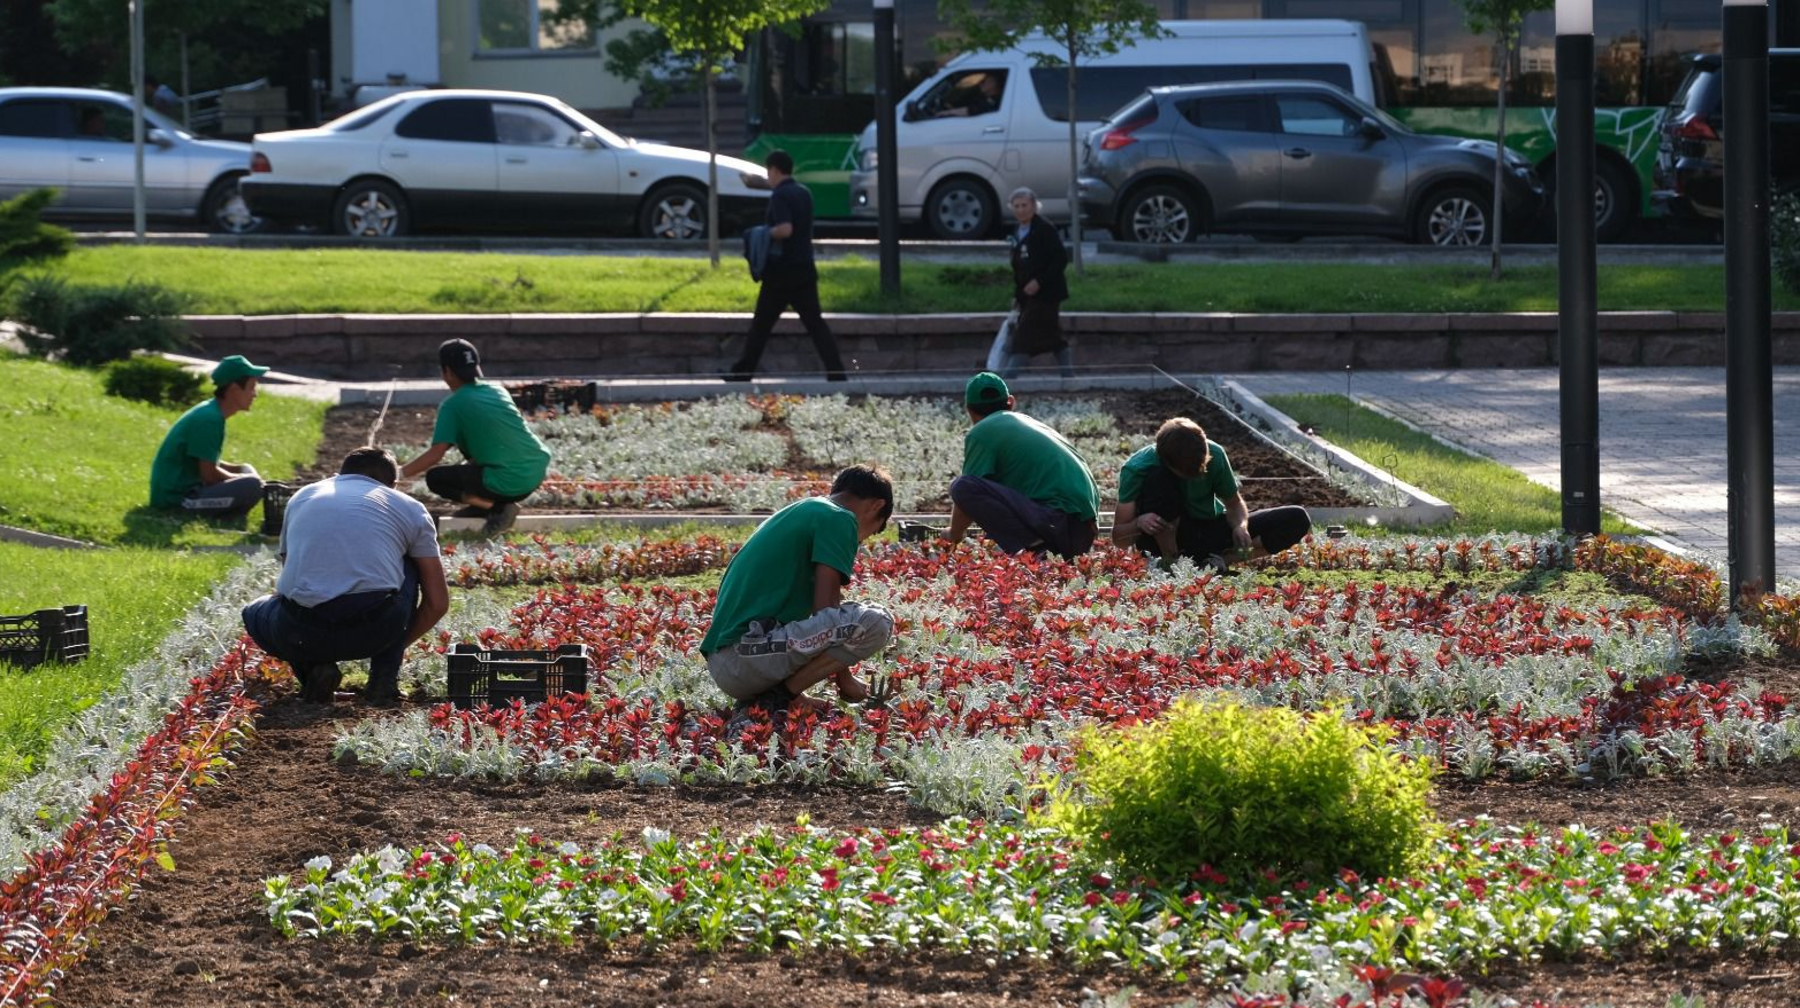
960, 209
1161, 215
224, 209
371, 209
1613, 201
1454, 217
674, 212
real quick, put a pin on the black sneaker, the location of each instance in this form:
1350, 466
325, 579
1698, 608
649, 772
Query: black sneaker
320, 683
471, 511
735, 376
501, 519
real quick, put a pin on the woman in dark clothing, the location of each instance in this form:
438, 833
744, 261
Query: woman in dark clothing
1038, 261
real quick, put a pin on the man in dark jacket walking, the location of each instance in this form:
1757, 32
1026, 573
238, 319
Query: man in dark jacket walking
791, 278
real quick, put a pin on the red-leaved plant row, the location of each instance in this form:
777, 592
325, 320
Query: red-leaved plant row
48, 909
545, 562
1044, 620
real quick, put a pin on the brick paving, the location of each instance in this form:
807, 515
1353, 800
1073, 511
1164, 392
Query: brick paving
1662, 437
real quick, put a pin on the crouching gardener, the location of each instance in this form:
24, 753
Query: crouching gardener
1022, 482
361, 577
781, 624
188, 472
1179, 498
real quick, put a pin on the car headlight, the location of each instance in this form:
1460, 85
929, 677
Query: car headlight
871, 159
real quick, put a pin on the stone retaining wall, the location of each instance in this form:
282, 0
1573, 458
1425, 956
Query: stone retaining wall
367, 347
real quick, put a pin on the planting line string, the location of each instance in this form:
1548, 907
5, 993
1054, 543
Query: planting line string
381, 418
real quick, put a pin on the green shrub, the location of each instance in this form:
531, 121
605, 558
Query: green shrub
23, 236
90, 326
154, 380
1248, 788
1784, 240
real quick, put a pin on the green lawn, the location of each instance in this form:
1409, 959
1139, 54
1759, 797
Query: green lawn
237, 281
77, 461
1488, 496
133, 595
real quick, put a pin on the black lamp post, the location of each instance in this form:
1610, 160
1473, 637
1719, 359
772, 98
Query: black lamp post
887, 178
1575, 295
1749, 392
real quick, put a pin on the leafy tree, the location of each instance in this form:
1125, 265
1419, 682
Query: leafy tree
639, 53
707, 33
1083, 28
227, 39
1501, 19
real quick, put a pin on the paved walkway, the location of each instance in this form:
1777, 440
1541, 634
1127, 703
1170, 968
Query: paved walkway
1662, 437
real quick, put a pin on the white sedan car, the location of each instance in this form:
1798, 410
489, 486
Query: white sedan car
488, 160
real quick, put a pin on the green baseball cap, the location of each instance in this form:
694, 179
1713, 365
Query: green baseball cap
985, 389
234, 368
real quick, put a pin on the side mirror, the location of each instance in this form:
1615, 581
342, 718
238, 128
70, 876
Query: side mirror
160, 137
911, 111
586, 141
1371, 130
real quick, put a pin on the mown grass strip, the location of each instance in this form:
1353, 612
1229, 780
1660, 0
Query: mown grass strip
259, 282
77, 461
1487, 495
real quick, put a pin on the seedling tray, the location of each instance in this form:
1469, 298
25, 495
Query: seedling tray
275, 497
496, 677
48, 635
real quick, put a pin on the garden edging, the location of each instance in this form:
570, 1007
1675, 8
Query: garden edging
630, 343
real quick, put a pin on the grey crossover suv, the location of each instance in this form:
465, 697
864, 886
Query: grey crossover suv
1285, 160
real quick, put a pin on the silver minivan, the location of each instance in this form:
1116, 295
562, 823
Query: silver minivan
989, 122
78, 141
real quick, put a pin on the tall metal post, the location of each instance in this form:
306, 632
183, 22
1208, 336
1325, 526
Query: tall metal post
887, 151
137, 117
1577, 302
1749, 385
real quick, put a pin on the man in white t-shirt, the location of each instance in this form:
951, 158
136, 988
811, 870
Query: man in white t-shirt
361, 577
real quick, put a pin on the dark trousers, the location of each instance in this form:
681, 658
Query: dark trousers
782, 288
369, 624
1276, 528
1016, 522
452, 482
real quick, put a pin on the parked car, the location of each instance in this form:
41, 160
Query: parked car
79, 141
1690, 162
488, 160
989, 122
1285, 160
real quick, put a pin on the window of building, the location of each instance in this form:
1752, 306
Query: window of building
529, 26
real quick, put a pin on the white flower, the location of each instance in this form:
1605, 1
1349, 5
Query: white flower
1096, 928
483, 850
568, 848
320, 863
654, 836
388, 859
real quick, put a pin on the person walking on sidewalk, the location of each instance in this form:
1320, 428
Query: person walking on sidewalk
361, 577
791, 278
1022, 482
781, 624
505, 461
1179, 497
1040, 286
187, 472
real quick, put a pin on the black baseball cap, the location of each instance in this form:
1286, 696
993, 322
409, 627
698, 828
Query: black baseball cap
460, 356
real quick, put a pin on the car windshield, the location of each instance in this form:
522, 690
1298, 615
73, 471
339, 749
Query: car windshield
607, 137
1387, 122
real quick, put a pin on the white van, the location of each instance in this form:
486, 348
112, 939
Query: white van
990, 122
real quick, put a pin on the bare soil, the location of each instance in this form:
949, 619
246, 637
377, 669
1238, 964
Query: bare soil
198, 936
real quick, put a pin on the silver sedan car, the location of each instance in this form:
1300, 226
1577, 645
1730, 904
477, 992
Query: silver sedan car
78, 141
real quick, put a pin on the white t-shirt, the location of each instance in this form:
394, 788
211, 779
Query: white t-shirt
350, 534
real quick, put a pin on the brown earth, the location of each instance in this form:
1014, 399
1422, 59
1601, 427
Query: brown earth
1269, 476
198, 936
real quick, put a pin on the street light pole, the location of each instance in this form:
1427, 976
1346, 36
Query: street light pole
887, 154
1577, 317
137, 117
1749, 384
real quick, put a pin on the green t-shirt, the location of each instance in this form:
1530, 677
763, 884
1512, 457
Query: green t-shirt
773, 575
1204, 495
198, 434
482, 422
1023, 454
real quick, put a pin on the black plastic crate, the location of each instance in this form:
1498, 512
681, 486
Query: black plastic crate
529, 397
275, 497
479, 676
557, 396
48, 635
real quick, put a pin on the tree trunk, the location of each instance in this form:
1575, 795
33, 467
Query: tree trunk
1500, 158
1074, 167
709, 99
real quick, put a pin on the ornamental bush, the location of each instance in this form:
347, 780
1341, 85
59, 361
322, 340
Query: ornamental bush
23, 237
92, 325
154, 380
1221, 784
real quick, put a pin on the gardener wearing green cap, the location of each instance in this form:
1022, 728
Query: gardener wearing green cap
188, 472
1022, 482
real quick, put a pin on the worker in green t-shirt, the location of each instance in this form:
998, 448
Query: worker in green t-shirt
1022, 482
781, 624
188, 472
1179, 497
505, 460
